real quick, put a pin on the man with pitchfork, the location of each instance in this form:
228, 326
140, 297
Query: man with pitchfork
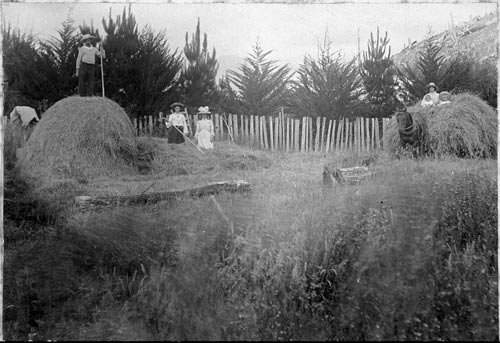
86, 65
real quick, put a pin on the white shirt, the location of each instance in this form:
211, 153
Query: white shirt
25, 114
87, 54
177, 119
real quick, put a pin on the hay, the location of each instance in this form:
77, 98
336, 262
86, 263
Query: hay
467, 127
81, 137
185, 159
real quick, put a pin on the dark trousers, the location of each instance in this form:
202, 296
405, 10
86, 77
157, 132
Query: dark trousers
86, 79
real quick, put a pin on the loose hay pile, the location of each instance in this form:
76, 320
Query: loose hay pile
467, 127
81, 137
185, 159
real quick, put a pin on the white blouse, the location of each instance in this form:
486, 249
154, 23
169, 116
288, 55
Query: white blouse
177, 119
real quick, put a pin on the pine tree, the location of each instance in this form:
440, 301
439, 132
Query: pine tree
197, 80
328, 86
23, 82
139, 68
258, 87
430, 67
379, 76
58, 56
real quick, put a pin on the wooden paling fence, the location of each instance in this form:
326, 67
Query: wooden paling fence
284, 133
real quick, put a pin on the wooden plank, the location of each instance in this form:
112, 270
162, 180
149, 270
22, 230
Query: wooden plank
302, 134
246, 130
140, 125
287, 134
271, 134
296, 134
329, 132
377, 133
235, 126
316, 139
280, 131
266, 145
322, 142
372, 133
106, 201
363, 148
252, 132
282, 121
216, 126
276, 132
135, 127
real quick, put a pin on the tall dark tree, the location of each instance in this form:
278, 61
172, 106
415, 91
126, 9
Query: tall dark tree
58, 55
120, 65
22, 81
378, 73
327, 86
430, 67
157, 71
139, 68
197, 80
258, 87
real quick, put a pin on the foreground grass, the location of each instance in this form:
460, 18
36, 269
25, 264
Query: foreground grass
409, 255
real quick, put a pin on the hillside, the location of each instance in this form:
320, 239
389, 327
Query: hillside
477, 38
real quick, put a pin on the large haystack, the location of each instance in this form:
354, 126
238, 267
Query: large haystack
467, 127
81, 137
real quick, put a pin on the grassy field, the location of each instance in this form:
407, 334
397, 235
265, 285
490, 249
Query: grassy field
408, 255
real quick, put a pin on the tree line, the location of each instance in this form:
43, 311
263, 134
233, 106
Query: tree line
144, 74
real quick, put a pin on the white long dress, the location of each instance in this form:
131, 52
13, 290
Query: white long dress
204, 133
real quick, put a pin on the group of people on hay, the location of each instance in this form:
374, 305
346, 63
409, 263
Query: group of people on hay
433, 98
178, 128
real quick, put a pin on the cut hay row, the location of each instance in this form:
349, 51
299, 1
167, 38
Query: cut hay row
467, 127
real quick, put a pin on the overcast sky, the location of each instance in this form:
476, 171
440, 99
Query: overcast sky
290, 30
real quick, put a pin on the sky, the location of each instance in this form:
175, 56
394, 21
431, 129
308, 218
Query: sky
290, 30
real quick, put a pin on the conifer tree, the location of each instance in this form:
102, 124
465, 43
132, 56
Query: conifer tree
197, 80
327, 86
379, 76
258, 87
430, 67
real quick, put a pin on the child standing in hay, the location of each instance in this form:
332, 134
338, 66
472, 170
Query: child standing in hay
177, 124
86, 65
205, 129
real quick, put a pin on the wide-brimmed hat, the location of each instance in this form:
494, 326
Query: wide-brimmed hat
86, 37
204, 110
175, 104
444, 96
432, 84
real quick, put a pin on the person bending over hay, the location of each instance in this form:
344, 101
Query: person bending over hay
466, 127
205, 129
81, 137
177, 124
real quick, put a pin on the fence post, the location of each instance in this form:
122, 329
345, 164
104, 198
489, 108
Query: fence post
135, 127
287, 134
266, 145
296, 130
318, 131
328, 134
235, 126
251, 130
377, 133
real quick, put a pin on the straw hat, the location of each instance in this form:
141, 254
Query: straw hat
432, 84
87, 37
204, 111
175, 104
444, 96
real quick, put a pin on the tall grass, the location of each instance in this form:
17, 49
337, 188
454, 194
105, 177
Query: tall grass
385, 260
409, 255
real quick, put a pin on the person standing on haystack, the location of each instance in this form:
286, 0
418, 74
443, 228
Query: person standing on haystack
177, 124
86, 65
205, 129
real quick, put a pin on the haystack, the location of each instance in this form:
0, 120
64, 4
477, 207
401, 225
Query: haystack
81, 137
467, 127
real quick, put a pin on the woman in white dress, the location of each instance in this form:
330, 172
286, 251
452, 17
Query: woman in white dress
205, 129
